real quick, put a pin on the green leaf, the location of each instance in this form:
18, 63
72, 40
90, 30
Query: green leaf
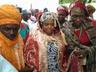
65, 1
70, 1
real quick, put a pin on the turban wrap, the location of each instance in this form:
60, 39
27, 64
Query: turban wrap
63, 9
78, 8
9, 14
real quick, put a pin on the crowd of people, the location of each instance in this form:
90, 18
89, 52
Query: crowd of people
44, 41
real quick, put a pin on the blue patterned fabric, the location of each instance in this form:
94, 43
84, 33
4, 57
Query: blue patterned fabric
52, 51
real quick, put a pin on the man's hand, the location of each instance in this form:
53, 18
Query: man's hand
26, 69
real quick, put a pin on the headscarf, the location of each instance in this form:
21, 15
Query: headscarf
62, 9
9, 14
78, 8
79, 4
47, 17
50, 17
12, 50
76, 11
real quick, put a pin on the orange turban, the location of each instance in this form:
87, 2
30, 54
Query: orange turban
11, 50
9, 14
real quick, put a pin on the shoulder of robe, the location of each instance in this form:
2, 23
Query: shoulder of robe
1, 43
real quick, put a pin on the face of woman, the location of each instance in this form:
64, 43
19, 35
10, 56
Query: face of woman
48, 28
9, 30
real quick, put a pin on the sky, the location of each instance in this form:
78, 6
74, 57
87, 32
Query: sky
40, 4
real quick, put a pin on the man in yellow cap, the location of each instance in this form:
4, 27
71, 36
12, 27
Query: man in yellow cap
11, 44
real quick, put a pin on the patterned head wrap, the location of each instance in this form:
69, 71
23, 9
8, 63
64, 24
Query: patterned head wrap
76, 11
62, 9
9, 14
49, 17
79, 4
78, 8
